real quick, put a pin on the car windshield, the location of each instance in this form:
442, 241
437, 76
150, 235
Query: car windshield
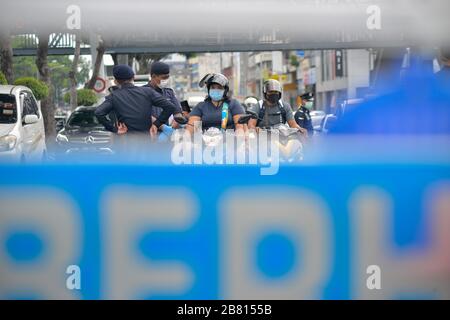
317, 113
193, 101
83, 119
8, 109
316, 121
330, 122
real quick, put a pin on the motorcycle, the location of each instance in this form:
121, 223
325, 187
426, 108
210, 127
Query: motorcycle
289, 140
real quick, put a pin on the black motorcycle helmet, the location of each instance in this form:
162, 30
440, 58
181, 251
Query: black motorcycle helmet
216, 78
272, 85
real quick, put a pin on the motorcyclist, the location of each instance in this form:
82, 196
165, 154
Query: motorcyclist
272, 110
218, 110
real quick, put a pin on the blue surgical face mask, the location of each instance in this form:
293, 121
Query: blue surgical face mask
216, 94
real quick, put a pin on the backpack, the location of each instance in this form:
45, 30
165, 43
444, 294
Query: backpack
262, 111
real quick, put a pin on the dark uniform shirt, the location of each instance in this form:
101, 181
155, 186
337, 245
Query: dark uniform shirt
133, 106
169, 94
212, 115
303, 119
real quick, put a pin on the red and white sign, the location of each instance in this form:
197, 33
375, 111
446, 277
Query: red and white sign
100, 85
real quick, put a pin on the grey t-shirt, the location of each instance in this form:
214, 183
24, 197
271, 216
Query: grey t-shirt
273, 115
212, 115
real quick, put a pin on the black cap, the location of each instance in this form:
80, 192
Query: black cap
159, 68
123, 72
307, 96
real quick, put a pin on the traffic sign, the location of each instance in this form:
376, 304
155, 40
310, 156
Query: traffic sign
100, 85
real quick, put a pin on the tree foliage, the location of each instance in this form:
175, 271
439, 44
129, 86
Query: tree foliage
3, 80
85, 97
59, 66
39, 88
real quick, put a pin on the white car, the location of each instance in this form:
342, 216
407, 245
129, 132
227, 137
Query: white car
141, 80
22, 134
194, 101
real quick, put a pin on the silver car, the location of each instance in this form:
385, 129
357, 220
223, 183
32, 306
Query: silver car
22, 134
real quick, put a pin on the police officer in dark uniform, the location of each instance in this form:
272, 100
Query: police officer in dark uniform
133, 106
160, 81
302, 116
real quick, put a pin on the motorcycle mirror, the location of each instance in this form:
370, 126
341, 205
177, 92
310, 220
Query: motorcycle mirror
185, 106
180, 120
253, 114
245, 119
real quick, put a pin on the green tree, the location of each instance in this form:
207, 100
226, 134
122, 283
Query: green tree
3, 80
294, 61
85, 97
39, 88
59, 67
146, 59
24, 66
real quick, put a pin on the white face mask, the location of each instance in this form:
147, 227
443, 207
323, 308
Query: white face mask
164, 84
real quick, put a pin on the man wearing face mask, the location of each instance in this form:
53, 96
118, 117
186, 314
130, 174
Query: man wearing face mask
272, 111
132, 107
302, 116
160, 81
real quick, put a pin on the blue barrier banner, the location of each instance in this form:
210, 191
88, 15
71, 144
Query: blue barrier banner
98, 231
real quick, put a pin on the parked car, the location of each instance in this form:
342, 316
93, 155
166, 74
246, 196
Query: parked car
316, 119
195, 100
60, 119
84, 134
327, 123
141, 79
317, 113
60, 123
347, 105
22, 134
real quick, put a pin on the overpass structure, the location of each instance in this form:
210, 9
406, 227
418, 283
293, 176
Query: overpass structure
141, 26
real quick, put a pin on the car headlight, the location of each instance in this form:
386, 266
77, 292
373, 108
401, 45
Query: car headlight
61, 138
7, 143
